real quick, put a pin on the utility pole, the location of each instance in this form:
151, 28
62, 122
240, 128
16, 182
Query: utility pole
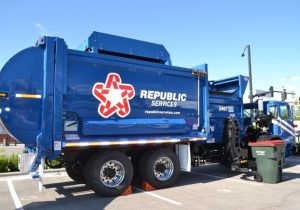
250, 72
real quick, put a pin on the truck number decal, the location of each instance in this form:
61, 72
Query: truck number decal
226, 108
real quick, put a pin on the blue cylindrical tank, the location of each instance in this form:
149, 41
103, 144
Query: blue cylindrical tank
22, 74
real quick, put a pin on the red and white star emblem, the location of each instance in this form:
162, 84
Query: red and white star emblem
114, 96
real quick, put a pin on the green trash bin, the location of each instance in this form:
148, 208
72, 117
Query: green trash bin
269, 160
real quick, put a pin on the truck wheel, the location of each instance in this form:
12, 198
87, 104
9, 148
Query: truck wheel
258, 177
160, 168
109, 173
74, 172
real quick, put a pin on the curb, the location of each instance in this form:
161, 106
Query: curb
48, 171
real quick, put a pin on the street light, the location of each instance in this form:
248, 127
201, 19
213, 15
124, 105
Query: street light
250, 72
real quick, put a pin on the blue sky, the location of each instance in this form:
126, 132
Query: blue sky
194, 32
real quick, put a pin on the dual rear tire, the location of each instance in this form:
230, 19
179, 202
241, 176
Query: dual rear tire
110, 173
160, 168
74, 171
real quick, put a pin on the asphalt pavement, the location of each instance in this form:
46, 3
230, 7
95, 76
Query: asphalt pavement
206, 187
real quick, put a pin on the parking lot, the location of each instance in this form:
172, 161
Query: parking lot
207, 187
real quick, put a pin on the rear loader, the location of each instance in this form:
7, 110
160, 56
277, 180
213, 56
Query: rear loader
116, 108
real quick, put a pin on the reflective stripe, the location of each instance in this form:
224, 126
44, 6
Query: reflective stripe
283, 127
3, 94
196, 139
19, 95
286, 123
142, 141
275, 122
287, 130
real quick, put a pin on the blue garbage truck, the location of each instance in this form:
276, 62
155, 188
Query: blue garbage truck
274, 119
116, 108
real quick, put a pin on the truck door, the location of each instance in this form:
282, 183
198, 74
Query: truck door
282, 122
286, 121
275, 127
287, 129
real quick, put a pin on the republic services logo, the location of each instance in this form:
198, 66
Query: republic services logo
114, 96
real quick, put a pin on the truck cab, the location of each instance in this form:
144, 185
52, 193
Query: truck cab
278, 121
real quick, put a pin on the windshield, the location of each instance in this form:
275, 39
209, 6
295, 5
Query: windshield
273, 111
247, 112
285, 112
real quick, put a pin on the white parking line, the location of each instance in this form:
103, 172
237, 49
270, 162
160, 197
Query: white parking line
290, 170
28, 177
226, 178
159, 197
14, 195
87, 192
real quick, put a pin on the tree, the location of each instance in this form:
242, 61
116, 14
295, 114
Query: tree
297, 109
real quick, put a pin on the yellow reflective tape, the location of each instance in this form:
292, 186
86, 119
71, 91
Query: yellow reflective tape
21, 95
3, 94
197, 139
109, 143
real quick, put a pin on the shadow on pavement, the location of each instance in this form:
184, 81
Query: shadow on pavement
292, 161
288, 176
70, 195
205, 174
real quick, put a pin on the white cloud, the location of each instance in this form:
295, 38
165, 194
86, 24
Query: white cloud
290, 83
42, 29
295, 78
290, 78
285, 78
291, 87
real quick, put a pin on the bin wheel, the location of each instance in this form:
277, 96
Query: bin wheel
74, 172
109, 173
258, 177
160, 168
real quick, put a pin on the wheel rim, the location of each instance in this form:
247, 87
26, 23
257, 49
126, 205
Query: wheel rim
163, 168
112, 173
